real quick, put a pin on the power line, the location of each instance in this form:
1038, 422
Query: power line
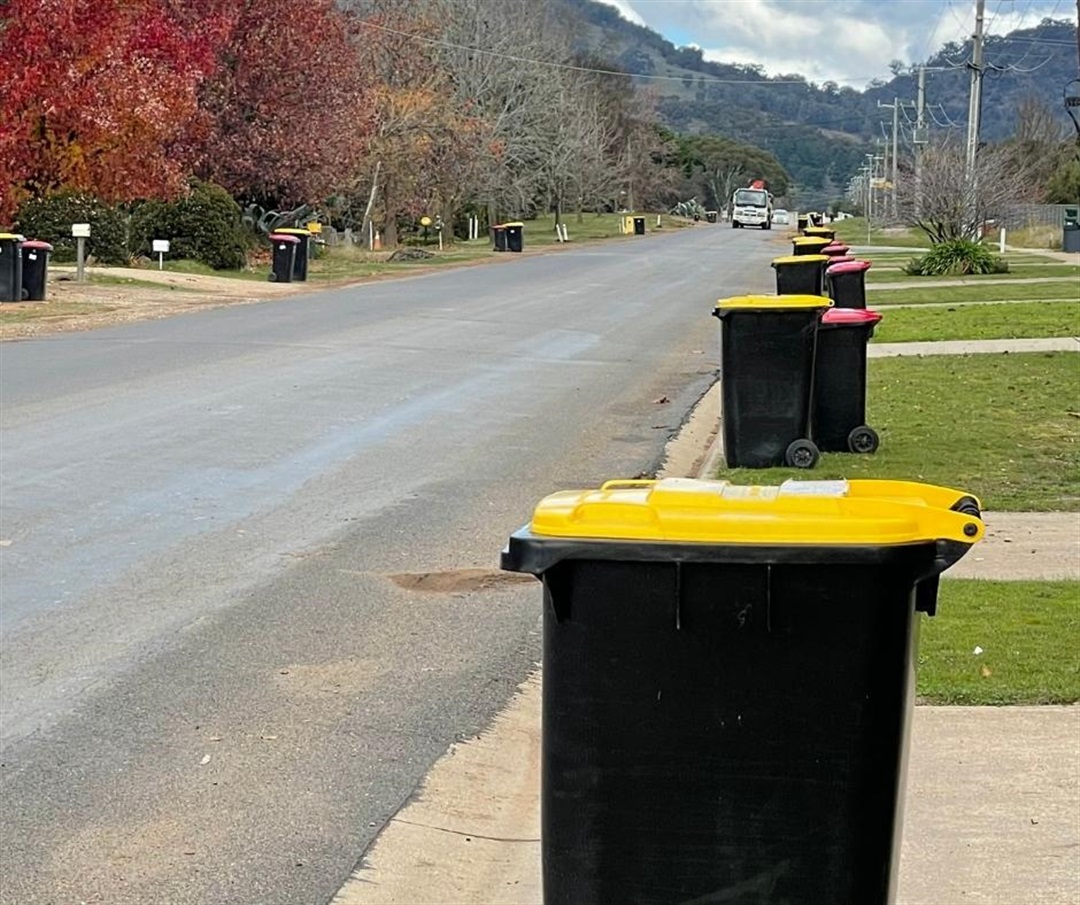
708, 79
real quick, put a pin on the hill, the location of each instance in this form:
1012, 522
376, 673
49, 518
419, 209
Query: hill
820, 133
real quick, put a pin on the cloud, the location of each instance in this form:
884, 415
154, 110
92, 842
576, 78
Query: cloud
846, 41
626, 11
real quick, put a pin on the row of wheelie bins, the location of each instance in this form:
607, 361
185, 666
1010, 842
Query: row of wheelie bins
508, 236
793, 365
728, 671
291, 251
24, 268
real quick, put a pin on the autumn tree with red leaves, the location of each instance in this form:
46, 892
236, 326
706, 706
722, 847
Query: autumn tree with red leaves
94, 93
290, 112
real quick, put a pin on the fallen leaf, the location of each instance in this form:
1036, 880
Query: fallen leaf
205, 760
268, 738
977, 651
985, 672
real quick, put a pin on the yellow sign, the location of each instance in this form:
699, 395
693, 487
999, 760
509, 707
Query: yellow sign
314, 227
425, 221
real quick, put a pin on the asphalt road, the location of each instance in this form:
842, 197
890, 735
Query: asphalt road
211, 690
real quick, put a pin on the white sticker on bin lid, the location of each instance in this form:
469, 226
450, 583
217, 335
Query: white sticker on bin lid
793, 487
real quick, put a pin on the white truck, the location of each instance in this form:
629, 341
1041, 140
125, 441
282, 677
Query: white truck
751, 207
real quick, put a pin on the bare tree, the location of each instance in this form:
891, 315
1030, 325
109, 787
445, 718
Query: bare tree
948, 203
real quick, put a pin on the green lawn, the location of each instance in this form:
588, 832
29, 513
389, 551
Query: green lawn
853, 232
1018, 272
992, 292
1025, 321
1003, 427
1029, 635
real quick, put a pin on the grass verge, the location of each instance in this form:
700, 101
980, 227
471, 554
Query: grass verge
1024, 321
992, 292
1026, 634
1001, 426
853, 232
1018, 272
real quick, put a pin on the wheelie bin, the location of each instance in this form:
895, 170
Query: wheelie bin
515, 236
824, 232
498, 237
11, 287
800, 274
303, 251
845, 283
284, 248
801, 222
35, 269
808, 245
839, 420
766, 378
728, 679
836, 250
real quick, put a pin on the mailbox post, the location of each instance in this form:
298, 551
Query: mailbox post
81, 232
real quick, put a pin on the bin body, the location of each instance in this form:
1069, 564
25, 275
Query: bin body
515, 236
35, 269
766, 375
808, 245
284, 257
801, 222
726, 721
11, 287
498, 237
846, 283
303, 252
840, 376
639, 226
1070, 237
800, 274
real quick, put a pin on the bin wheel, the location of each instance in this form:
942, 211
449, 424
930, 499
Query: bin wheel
863, 440
801, 454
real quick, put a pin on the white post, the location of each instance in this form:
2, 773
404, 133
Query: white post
440, 240
565, 234
161, 260
371, 235
657, 221
1001, 240
80, 258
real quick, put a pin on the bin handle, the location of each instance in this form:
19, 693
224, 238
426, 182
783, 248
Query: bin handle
627, 483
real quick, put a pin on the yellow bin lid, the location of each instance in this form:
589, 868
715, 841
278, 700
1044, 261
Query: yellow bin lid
801, 259
8, 237
773, 302
812, 240
291, 231
810, 513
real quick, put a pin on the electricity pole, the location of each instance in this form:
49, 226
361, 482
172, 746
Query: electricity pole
892, 167
975, 97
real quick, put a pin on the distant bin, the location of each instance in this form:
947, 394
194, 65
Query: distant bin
11, 282
839, 420
824, 232
515, 236
808, 245
639, 226
35, 269
1070, 231
767, 346
498, 237
303, 251
711, 216
728, 680
800, 274
283, 265
845, 282
801, 222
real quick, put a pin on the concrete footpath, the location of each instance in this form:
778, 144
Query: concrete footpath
992, 810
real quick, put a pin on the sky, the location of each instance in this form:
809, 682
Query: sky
848, 42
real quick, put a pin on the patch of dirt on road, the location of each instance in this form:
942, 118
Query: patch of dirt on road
456, 581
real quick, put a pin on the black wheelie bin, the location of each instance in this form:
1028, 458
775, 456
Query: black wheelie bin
767, 346
303, 251
808, 245
845, 282
839, 422
11, 282
283, 266
728, 679
35, 269
800, 274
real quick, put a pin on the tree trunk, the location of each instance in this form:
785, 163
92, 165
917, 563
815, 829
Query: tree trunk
390, 237
371, 200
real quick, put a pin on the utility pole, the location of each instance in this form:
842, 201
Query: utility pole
975, 97
892, 167
919, 138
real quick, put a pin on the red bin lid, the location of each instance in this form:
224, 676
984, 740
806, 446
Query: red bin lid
282, 237
835, 247
853, 266
37, 243
850, 316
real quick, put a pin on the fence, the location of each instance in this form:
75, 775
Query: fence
1026, 216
